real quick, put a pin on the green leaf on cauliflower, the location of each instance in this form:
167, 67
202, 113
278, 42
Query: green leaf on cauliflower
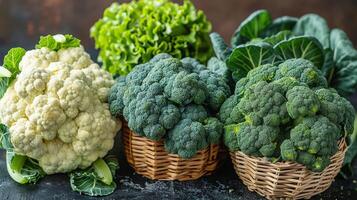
22, 169
11, 68
5, 142
57, 42
96, 180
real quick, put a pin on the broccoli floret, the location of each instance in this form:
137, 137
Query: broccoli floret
217, 85
115, 98
214, 130
287, 83
302, 102
194, 112
288, 151
315, 140
264, 103
337, 109
186, 138
302, 70
257, 140
262, 73
177, 89
229, 112
219, 67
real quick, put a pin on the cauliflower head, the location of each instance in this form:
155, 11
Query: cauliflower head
57, 111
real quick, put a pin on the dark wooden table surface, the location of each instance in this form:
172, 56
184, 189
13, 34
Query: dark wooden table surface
222, 185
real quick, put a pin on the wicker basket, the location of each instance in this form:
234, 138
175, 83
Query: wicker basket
285, 180
150, 159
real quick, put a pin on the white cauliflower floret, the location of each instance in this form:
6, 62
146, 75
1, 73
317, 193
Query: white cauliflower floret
38, 58
57, 110
76, 57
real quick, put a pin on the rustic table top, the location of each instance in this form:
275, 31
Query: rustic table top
222, 185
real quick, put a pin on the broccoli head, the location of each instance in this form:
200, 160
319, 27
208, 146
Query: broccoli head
160, 97
287, 110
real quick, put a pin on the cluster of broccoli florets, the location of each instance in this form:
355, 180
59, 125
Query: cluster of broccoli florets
172, 100
287, 111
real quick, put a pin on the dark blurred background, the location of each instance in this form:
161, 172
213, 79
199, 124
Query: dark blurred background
23, 21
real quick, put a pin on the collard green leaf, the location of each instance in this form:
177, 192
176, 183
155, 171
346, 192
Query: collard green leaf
220, 48
315, 26
347, 169
304, 47
250, 56
22, 169
89, 182
284, 23
344, 74
252, 27
275, 39
57, 42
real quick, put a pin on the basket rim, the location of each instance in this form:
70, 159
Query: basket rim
341, 142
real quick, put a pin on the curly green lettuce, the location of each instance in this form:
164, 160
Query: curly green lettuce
133, 33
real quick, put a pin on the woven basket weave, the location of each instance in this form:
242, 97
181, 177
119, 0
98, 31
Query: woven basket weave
150, 159
285, 180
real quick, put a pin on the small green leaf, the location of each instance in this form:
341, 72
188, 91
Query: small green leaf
284, 23
252, 27
5, 141
103, 172
305, 47
344, 74
4, 73
250, 56
57, 42
11, 64
220, 48
22, 169
275, 39
90, 181
315, 26
12, 60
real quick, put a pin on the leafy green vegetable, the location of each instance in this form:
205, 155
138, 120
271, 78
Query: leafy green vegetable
126, 38
250, 56
11, 65
280, 24
350, 156
281, 36
97, 180
304, 47
314, 26
57, 42
21, 169
251, 27
344, 72
220, 48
